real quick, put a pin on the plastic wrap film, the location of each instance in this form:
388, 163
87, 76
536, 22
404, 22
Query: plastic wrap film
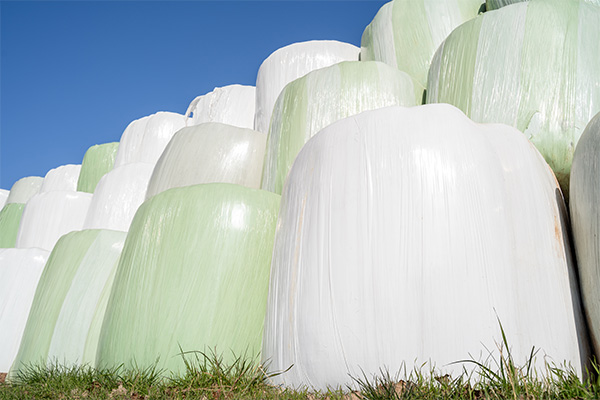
48, 216
193, 276
3, 197
398, 228
210, 153
118, 196
97, 161
290, 63
324, 96
63, 178
231, 105
10, 219
68, 299
24, 189
495, 4
533, 65
406, 33
585, 220
145, 139
20, 270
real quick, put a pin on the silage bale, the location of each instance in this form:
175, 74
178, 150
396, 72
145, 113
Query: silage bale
97, 161
210, 153
48, 216
585, 218
193, 276
118, 196
3, 197
68, 300
406, 33
20, 270
324, 96
533, 65
10, 219
406, 236
144, 139
24, 189
290, 63
63, 178
232, 105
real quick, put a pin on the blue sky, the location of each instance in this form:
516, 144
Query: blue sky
75, 73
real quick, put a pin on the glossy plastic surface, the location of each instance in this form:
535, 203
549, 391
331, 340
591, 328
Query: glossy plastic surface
231, 105
97, 161
10, 219
63, 178
24, 189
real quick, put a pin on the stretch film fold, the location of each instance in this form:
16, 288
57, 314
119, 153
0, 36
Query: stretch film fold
20, 270
532, 65
406, 235
118, 196
24, 189
406, 33
63, 178
585, 219
48, 216
144, 139
68, 299
97, 161
10, 219
495, 4
231, 105
290, 63
207, 153
193, 276
324, 96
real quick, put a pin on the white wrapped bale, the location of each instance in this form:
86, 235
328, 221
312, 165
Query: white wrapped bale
210, 153
3, 197
290, 63
404, 235
232, 105
48, 216
24, 189
496, 4
20, 270
63, 178
70, 301
585, 218
533, 65
406, 33
145, 139
324, 96
118, 196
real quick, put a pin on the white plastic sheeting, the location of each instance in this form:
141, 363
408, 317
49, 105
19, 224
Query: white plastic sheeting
210, 153
20, 270
404, 235
290, 63
324, 96
62, 178
585, 218
232, 105
533, 65
406, 33
48, 216
145, 139
3, 197
118, 196
24, 189
495, 4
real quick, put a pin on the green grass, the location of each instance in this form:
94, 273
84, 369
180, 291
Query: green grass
208, 378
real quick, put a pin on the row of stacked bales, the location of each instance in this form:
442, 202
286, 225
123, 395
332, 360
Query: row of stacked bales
397, 227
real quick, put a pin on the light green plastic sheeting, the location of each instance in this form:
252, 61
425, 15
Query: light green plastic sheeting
10, 218
193, 276
532, 65
97, 161
324, 96
406, 33
69, 303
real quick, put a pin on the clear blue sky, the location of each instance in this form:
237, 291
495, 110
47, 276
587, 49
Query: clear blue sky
75, 73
